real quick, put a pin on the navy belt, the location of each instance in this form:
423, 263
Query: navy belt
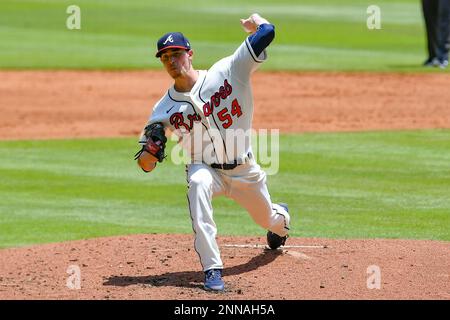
225, 166
229, 166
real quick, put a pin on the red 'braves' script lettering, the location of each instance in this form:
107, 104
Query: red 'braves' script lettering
221, 94
192, 118
177, 120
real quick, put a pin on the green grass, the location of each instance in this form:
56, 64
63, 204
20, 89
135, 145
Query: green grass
117, 34
338, 185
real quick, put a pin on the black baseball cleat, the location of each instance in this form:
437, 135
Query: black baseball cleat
274, 241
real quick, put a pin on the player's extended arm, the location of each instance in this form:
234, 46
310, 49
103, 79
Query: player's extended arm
262, 32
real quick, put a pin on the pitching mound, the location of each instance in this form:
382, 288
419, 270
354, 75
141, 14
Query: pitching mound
167, 267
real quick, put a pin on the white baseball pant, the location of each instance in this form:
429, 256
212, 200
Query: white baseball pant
246, 184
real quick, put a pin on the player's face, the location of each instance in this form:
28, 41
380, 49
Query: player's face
177, 61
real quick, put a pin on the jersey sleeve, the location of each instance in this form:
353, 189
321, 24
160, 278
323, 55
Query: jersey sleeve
251, 53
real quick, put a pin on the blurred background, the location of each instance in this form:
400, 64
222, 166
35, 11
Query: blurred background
116, 34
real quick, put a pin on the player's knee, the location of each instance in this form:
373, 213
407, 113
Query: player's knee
268, 221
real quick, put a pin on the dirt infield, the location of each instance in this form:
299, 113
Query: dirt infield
154, 267
62, 104
71, 104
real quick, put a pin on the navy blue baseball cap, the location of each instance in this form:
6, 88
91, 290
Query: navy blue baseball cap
172, 40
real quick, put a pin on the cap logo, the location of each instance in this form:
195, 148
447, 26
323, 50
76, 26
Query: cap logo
169, 38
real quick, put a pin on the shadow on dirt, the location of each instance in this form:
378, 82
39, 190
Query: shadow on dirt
192, 279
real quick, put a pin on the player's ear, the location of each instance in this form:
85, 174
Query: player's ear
190, 53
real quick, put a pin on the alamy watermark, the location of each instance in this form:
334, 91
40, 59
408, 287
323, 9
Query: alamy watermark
73, 282
73, 21
374, 279
374, 18
214, 146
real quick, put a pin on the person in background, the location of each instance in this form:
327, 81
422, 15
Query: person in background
437, 22
448, 42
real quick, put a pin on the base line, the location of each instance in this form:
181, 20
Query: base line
257, 246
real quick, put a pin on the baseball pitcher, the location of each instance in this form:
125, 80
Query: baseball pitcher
211, 112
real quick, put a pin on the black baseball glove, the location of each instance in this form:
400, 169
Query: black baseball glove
155, 141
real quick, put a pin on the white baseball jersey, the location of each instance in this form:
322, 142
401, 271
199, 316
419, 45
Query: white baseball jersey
220, 105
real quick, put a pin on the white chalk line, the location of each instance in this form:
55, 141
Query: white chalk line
260, 246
